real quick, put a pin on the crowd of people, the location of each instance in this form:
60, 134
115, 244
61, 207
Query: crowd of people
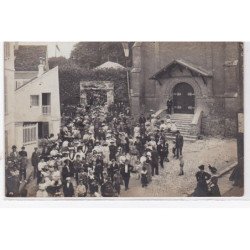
96, 152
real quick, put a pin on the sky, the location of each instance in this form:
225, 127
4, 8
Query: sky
65, 49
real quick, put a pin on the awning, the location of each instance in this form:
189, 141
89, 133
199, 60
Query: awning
194, 70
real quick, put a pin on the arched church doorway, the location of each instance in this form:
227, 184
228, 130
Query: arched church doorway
183, 98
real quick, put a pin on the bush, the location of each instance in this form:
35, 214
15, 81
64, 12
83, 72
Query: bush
70, 77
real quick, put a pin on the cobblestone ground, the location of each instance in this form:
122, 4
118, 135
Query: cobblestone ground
217, 152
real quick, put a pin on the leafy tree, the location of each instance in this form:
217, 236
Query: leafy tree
59, 61
92, 54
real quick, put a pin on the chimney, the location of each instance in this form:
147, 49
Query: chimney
40, 67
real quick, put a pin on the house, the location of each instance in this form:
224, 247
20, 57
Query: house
204, 80
33, 104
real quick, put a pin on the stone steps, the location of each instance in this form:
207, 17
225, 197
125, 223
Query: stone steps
182, 122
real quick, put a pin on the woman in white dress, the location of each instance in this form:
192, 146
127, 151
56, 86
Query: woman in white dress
137, 130
106, 152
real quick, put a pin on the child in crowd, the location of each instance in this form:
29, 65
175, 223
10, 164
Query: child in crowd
181, 165
144, 177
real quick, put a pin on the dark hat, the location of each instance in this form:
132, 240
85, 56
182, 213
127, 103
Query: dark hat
22, 147
14, 146
178, 131
201, 167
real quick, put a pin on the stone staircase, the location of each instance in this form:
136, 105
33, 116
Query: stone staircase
182, 122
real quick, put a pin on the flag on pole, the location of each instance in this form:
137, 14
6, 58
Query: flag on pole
57, 47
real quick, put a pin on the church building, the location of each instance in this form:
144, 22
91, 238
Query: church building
203, 79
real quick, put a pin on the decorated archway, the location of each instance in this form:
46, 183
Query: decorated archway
96, 92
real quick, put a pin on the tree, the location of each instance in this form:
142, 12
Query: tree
92, 54
59, 61
86, 54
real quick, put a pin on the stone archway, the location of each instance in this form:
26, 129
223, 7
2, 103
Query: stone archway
167, 88
183, 98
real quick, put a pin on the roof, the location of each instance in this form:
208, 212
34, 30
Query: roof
195, 70
36, 77
110, 65
28, 57
27, 75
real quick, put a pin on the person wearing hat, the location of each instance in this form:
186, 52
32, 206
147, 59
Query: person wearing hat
12, 181
137, 130
169, 106
106, 152
142, 119
112, 150
35, 161
67, 170
126, 169
107, 189
202, 187
23, 153
117, 181
23, 164
68, 189
162, 152
178, 143
139, 145
81, 190
112, 169
14, 156
154, 161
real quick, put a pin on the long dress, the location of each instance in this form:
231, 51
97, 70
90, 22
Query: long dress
149, 170
106, 153
201, 189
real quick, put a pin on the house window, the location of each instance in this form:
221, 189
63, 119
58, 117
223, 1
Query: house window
34, 100
29, 132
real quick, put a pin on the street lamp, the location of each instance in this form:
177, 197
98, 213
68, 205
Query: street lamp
126, 53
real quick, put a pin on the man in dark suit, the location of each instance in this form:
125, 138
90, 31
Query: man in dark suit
178, 143
35, 161
154, 162
113, 167
142, 119
68, 189
23, 153
169, 106
23, 161
162, 152
126, 168
112, 150
67, 170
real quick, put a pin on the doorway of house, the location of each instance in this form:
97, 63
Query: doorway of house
183, 98
43, 130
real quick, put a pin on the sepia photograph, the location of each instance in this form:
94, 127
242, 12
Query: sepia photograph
95, 120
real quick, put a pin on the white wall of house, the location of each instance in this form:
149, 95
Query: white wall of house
25, 112
18, 108
9, 95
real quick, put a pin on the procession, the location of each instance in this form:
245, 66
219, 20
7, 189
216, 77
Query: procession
91, 128
96, 153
